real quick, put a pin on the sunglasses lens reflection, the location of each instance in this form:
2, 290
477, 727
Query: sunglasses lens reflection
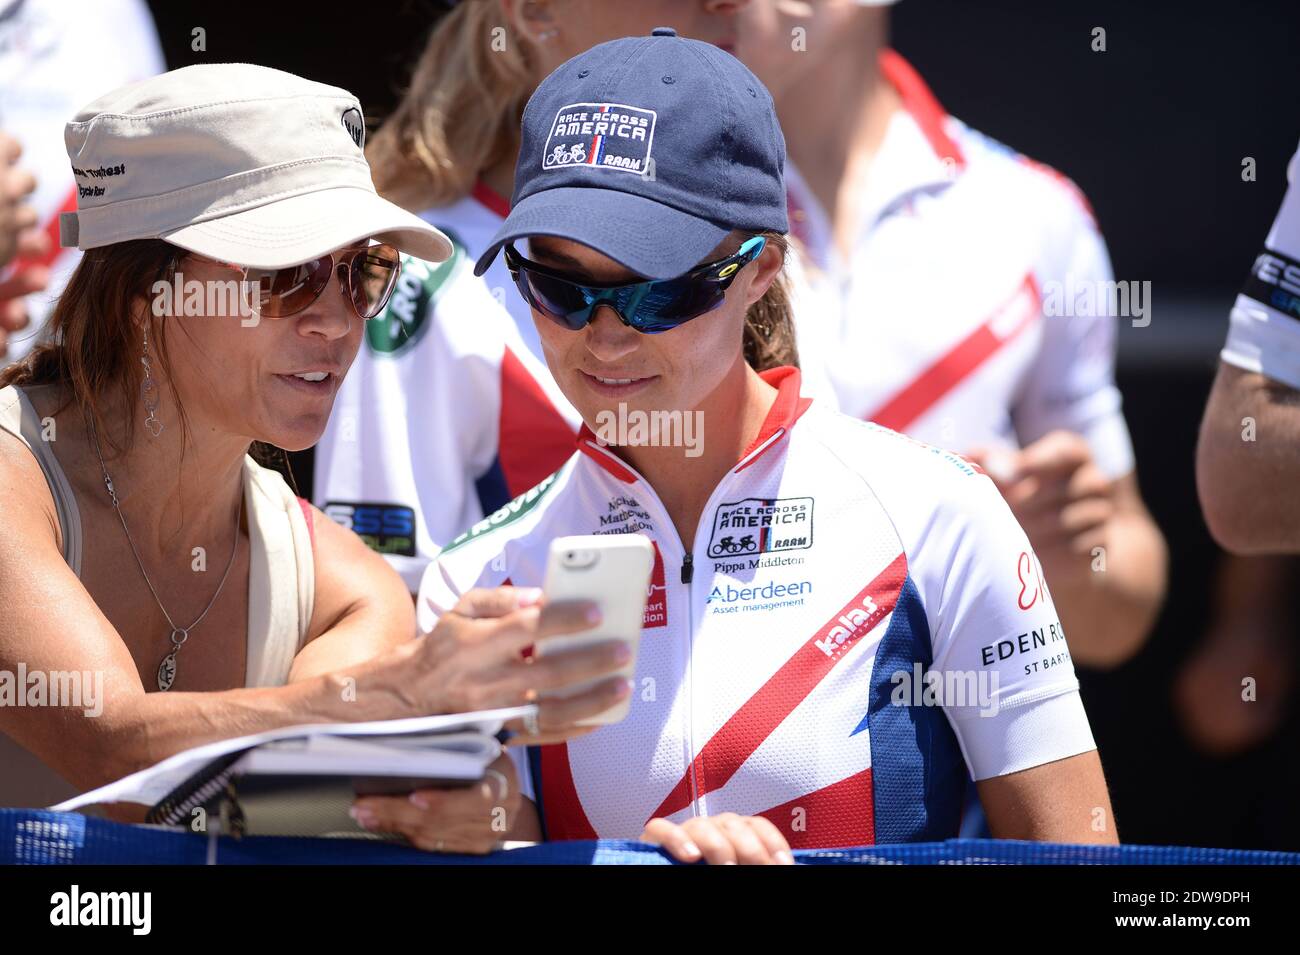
282, 292
371, 276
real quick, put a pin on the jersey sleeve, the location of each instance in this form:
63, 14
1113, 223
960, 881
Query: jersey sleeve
996, 629
136, 46
1264, 325
442, 584
1071, 385
415, 423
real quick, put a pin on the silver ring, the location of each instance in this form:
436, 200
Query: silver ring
530, 723
501, 777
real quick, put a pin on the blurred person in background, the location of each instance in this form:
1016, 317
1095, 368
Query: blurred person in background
17, 217
19, 236
55, 56
449, 411
1247, 464
1234, 690
1248, 457
940, 260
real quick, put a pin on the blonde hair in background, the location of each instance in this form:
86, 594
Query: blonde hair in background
460, 114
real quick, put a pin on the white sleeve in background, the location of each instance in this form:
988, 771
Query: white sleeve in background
1264, 325
437, 592
812, 317
416, 420
1071, 386
440, 586
135, 47
476, 559
995, 625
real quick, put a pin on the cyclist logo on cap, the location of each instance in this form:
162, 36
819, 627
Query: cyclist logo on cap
577, 153
600, 136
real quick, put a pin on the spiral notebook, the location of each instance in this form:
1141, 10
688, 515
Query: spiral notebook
301, 780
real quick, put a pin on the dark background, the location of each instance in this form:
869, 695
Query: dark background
1154, 130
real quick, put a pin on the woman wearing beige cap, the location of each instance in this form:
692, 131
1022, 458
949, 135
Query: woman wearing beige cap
142, 542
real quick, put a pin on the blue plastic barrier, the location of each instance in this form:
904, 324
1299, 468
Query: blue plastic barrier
37, 837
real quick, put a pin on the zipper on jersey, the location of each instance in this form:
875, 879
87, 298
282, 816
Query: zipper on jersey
667, 532
688, 674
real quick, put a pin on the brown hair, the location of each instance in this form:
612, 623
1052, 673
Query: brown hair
459, 115
769, 323
95, 342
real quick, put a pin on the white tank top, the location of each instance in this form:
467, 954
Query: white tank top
281, 574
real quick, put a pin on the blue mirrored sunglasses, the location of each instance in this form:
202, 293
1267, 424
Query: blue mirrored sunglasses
651, 307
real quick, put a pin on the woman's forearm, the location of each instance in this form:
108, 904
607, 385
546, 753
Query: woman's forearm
365, 631
1108, 611
152, 726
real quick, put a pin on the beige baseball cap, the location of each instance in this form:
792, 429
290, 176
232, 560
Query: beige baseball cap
236, 162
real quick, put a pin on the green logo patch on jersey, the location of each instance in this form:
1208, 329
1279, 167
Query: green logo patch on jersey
506, 515
399, 326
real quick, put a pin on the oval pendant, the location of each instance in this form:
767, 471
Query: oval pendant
167, 672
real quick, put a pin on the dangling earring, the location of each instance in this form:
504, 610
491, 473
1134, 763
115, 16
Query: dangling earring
149, 390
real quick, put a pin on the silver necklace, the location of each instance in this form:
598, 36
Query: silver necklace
167, 668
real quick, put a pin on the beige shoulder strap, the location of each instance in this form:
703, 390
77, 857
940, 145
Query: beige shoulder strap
281, 576
18, 417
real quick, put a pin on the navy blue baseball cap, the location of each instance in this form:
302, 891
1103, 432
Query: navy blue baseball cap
650, 150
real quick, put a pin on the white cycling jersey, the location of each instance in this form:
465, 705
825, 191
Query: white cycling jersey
1264, 325
449, 410
856, 615
55, 57
975, 308
446, 413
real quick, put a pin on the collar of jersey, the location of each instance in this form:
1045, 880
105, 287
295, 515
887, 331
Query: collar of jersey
917, 154
788, 407
921, 104
489, 198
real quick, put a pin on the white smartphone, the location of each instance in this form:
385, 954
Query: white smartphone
613, 571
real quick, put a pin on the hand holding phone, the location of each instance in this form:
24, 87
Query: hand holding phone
612, 571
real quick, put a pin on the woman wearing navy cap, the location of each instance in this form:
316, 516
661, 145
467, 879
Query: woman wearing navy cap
449, 394
841, 620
